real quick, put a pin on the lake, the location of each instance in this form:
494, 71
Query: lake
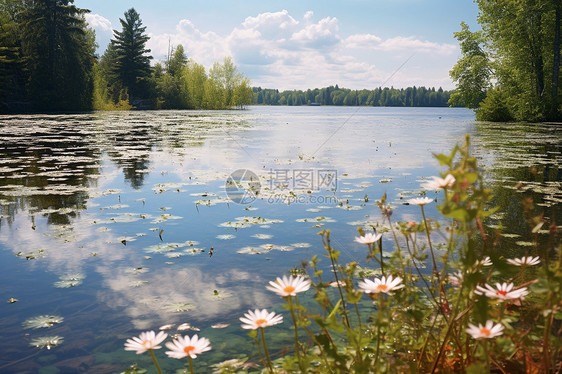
121, 222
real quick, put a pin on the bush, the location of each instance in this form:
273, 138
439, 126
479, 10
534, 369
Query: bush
494, 107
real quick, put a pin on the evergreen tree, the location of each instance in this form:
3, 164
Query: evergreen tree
131, 65
12, 68
177, 61
59, 55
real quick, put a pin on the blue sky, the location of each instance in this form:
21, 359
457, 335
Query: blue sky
304, 44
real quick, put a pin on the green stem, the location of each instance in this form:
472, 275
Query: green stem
297, 350
485, 345
155, 361
359, 355
335, 268
268, 359
190, 364
397, 244
440, 287
319, 345
379, 311
429, 242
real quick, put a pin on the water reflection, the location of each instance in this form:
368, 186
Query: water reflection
115, 205
523, 163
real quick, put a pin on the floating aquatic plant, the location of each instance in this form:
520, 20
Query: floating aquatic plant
179, 307
262, 236
137, 270
226, 237
316, 219
42, 321
242, 222
40, 253
46, 342
70, 280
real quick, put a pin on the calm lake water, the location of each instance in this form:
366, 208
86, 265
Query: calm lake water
121, 222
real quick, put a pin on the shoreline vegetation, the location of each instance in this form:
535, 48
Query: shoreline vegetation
64, 75
510, 69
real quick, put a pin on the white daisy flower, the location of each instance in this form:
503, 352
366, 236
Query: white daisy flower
384, 285
485, 332
289, 286
526, 260
502, 291
437, 183
185, 346
369, 238
420, 201
260, 318
486, 261
146, 340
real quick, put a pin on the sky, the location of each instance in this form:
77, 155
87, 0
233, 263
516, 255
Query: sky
301, 44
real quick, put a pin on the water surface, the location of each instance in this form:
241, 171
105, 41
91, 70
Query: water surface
120, 222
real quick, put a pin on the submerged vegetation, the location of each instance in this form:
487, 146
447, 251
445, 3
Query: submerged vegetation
472, 310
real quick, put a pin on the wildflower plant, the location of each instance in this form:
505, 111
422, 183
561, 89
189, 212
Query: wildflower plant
471, 310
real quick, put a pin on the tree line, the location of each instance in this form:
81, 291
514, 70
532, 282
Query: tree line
510, 69
334, 95
48, 63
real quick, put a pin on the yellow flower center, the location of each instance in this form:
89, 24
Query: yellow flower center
485, 331
382, 287
147, 344
261, 322
289, 289
188, 349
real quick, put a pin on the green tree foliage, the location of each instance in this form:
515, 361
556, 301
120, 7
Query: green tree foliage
493, 107
334, 95
12, 67
46, 56
522, 37
177, 62
472, 71
192, 83
130, 62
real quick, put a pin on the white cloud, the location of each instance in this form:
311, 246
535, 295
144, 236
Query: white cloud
98, 22
272, 25
409, 43
275, 50
205, 48
318, 35
362, 41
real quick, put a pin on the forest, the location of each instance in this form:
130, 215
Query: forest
404, 97
508, 70
48, 63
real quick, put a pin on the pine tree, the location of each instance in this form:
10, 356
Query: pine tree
131, 64
59, 55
